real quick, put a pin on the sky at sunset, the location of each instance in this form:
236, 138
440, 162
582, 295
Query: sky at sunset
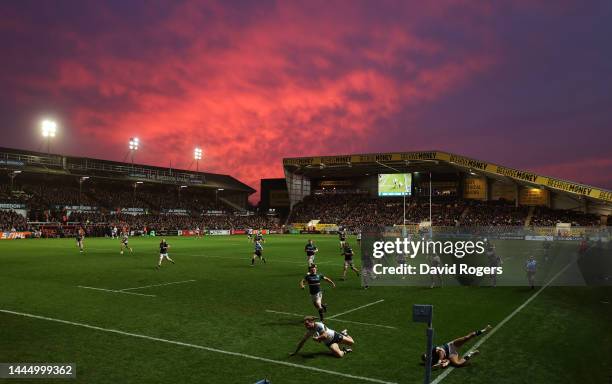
526, 84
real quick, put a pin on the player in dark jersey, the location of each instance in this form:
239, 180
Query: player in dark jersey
448, 354
163, 253
348, 254
313, 280
310, 250
531, 267
258, 253
80, 236
342, 238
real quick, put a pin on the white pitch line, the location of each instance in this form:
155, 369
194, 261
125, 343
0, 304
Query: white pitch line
273, 260
202, 347
157, 285
355, 309
340, 320
114, 291
504, 321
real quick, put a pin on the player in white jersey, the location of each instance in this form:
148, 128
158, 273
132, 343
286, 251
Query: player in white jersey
319, 332
114, 232
435, 262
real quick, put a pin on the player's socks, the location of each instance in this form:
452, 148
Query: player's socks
471, 354
347, 350
253, 261
344, 332
263, 259
481, 331
321, 314
324, 307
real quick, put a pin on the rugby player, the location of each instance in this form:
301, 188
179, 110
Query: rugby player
313, 279
310, 250
258, 252
531, 268
321, 334
79, 238
435, 262
163, 253
347, 252
124, 243
448, 354
342, 238
494, 262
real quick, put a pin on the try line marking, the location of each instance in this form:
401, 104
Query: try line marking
329, 318
114, 291
355, 309
157, 285
504, 321
124, 290
195, 346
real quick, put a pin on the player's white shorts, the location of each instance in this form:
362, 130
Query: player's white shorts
452, 350
311, 259
348, 263
317, 297
163, 256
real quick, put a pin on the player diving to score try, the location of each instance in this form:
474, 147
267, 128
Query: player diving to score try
313, 279
448, 354
321, 334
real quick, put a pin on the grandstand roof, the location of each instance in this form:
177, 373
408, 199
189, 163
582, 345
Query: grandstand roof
37, 162
435, 161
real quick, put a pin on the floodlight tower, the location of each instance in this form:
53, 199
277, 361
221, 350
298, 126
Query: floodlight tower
133, 145
48, 129
197, 155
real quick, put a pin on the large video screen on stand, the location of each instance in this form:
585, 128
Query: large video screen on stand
394, 184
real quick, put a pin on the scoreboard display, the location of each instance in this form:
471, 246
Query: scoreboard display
394, 184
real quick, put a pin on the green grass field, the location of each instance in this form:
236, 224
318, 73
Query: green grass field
218, 328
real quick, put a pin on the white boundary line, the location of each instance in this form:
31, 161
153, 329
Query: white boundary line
273, 260
504, 321
210, 349
340, 320
354, 309
157, 285
113, 291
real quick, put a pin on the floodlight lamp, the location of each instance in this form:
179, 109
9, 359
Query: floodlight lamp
49, 128
134, 143
197, 154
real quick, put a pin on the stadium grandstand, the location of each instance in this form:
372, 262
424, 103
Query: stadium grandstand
51, 195
433, 188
